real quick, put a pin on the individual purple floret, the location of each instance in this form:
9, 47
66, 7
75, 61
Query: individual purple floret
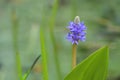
77, 31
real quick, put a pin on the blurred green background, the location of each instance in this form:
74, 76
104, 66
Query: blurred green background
102, 18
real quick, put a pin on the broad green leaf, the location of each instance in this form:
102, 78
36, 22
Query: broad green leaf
94, 67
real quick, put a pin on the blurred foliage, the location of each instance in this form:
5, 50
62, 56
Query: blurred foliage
103, 27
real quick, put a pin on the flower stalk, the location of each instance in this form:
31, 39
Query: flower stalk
74, 48
76, 33
15, 45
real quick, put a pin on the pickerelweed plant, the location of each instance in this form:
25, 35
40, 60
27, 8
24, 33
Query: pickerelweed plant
77, 32
95, 66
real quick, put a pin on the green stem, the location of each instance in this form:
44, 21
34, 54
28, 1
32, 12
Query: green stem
52, 23
44, 56
15, 46
42, 43
19, 68
74, 47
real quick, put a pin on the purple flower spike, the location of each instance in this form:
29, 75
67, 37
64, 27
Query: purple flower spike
77, 31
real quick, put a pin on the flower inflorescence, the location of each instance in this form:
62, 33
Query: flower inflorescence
77, 31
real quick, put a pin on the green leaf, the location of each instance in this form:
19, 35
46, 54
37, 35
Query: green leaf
44, 55
94, 67
30, 69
